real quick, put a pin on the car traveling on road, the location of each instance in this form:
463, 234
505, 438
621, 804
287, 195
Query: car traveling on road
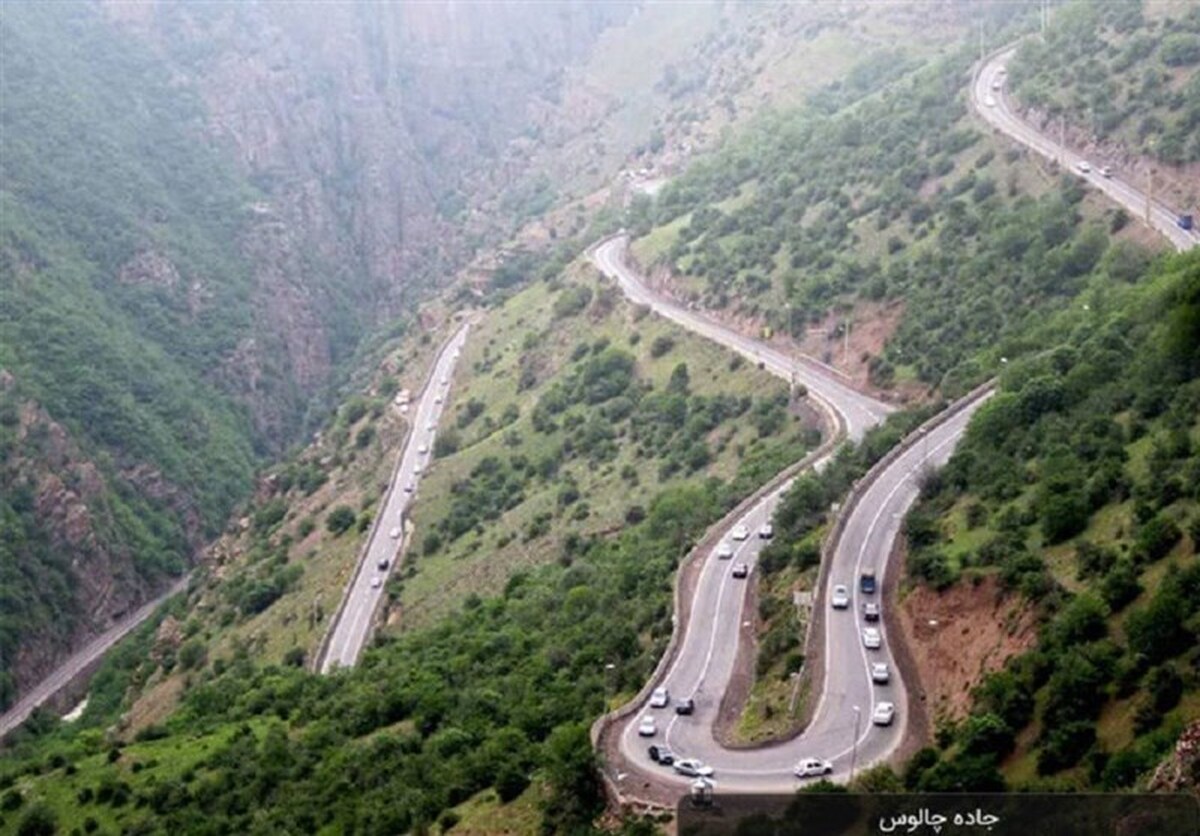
766, 532
840, 599
740, 532
871, 611
741, 570
866, 581
812, 767
725, 550
880, 673
647, 727
1083, 167
685, 706
883, 714
693, 768
660, 698
661, 754
376, 583
871, 638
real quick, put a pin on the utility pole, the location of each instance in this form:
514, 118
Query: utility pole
854, 749
846, 357
1149, 190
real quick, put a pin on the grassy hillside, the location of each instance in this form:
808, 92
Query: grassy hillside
571, 411
1077, 486
1123, 72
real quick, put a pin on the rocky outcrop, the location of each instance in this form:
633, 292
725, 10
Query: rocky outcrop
1180, 772
70, 498
367, 125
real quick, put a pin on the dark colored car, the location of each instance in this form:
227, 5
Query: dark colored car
687, 706
661, 754
383, 564
866, 582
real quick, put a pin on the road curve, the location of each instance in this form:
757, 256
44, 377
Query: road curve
857, 411
82, 659
704, 662
352, 623
988, 96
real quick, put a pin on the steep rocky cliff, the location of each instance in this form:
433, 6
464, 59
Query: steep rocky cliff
206, 208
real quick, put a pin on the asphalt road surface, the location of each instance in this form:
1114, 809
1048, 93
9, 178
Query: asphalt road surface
860, 412
81, 660
356, 617
702, 668
989, 99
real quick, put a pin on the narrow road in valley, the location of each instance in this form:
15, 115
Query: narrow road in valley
82, 659
988, 95
841, 730
352, 624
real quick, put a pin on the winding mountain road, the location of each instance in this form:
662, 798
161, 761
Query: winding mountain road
705, 659
841, 730
988, 95
354, 620
855, 411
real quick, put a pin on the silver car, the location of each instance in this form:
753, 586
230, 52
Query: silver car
871, 638
840, 599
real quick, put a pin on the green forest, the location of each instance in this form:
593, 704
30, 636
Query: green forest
897, 199
1076, 485
126, 369
1122, 71
1079, 486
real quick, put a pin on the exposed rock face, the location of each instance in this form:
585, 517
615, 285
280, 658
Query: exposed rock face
69, 493
366, 124
1180, 772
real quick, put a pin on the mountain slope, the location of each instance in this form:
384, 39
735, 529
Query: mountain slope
1076, 488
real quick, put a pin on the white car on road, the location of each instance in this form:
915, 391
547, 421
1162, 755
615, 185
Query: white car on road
884, 713
647, 727
693, 768
376, 583
395, 533
871, 638
880, 673
812, 767
766, 532
840, 599
1084, 167
740, 532
661, 698
725, 550
423, 449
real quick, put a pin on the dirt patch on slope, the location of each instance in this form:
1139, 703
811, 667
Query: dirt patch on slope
957, 636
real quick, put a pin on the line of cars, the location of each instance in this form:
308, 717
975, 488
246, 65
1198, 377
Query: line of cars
648, 727
884, 712
410, 486
661, 697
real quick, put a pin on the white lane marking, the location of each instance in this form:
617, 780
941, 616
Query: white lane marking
345, 644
